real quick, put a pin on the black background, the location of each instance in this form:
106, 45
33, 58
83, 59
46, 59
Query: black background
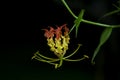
21, 36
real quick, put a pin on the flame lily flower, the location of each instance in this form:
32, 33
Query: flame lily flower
57, 40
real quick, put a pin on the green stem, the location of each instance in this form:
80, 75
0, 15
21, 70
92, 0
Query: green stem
95, 23
84, 57
54, 60
118, 7
73, 52
45, 61
74, 60
37, 53
110, 13
72, 28
86, 21
68, 8
61, 61
100, 24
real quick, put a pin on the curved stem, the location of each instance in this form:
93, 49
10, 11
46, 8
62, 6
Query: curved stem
85, 56
54, 60
95, 23
100, 24
45, 61
68, 8
61, 61
37, 53
86, 21
73, 52
72, 28
110, 13
74, 60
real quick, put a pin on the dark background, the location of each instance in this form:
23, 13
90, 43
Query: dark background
21, 36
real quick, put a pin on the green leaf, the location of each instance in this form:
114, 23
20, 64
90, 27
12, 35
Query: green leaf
79, 20
104, 37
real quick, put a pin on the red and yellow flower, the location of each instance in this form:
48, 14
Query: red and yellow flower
58, 39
